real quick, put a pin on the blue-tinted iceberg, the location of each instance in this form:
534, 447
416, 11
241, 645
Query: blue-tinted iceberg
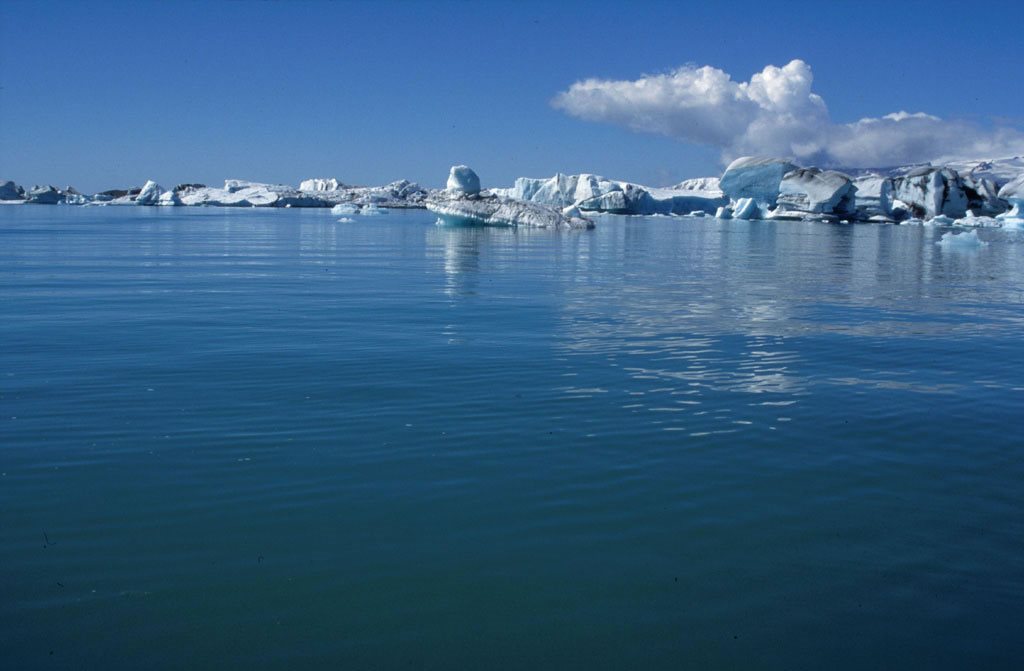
756, 177
596, 194
461, 204
810, 191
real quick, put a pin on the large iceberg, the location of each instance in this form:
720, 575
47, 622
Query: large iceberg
757, 177
593, 193
45, 195
810, 191
463, 203
928, 191
11, 191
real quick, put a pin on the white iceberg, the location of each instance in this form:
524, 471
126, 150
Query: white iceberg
345, 208
320, 184
704, 184
968, 240
150, 194
462, 181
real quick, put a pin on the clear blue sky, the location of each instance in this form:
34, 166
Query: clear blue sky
102, 95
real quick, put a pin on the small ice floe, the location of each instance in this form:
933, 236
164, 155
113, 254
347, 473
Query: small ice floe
346, 220
344, 209
940, 220
372, 210
968, 240
698, 213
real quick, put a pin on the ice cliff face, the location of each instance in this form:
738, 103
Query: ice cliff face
464, 203
873, 198
11, 191
319, 184
757, 177
593, 193
928, 192
807, 191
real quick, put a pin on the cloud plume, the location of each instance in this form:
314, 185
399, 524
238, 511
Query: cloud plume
776, 113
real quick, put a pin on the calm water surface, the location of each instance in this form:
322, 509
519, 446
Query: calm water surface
268, 440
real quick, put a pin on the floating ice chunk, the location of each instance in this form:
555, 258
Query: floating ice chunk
344, 208
372, 210
873, 197
746, 208
698, 213
346, 220
940, 220
966, 240
463, 181
723, 212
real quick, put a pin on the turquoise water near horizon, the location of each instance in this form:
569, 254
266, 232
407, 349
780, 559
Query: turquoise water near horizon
265, 439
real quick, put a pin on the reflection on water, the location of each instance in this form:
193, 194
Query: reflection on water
665, 442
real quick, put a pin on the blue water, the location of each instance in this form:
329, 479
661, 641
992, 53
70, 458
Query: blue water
263, 439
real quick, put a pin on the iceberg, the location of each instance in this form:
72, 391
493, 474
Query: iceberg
593, 193
44, 195
345, 208
462, 181
1013, 194
150, 194
746, 208
460, 205
757, 177
926, 192
11, 191
968, 240
810, 191
320, 184
873, 198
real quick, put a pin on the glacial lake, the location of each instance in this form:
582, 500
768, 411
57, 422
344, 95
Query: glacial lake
263, 439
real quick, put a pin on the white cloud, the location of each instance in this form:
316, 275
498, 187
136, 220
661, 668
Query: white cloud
776, 113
